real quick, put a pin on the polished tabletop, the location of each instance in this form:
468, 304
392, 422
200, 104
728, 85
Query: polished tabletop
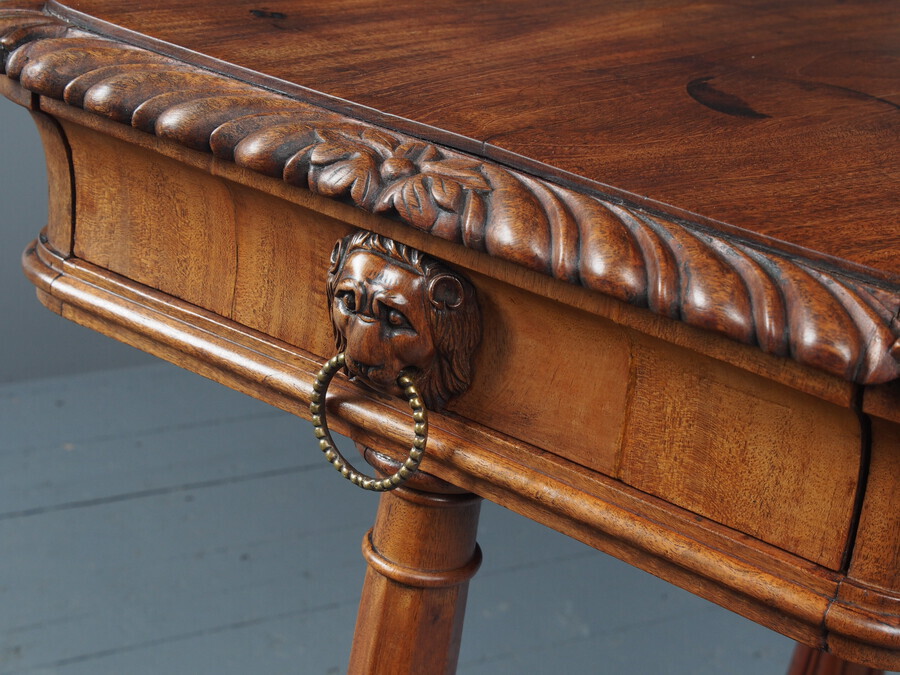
778, 119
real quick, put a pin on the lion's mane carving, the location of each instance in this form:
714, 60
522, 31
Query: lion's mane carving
442, 307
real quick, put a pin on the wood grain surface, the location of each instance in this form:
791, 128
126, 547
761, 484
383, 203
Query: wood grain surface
421, 554
776, 117
761, 582
680, 270
678, 425
750, 489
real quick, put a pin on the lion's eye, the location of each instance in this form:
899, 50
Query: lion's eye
347, 300
396, 319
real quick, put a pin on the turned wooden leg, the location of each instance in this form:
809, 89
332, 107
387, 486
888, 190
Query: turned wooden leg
421, 555
811, 661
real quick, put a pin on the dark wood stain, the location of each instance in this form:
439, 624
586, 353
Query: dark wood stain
265, 14
706, 94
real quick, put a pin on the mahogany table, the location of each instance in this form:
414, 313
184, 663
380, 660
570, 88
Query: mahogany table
642, 260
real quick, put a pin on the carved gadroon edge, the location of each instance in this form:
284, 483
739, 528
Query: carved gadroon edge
784, 305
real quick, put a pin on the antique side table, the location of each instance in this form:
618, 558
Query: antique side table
640, 260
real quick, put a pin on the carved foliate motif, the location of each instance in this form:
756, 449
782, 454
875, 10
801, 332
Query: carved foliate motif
781, 303
395, 309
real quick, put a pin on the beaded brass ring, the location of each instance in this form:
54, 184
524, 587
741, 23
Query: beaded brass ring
333, 455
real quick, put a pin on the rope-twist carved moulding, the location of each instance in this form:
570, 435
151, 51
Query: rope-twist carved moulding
784, 305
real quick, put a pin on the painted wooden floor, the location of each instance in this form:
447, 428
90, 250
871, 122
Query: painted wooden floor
153, 522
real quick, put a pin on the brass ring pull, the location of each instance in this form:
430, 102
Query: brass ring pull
333, 455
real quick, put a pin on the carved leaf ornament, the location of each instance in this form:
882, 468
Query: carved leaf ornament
786, 306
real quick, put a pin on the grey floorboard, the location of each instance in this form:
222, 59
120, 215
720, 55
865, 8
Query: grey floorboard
154, 522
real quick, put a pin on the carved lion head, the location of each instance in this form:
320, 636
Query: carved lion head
394, 308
